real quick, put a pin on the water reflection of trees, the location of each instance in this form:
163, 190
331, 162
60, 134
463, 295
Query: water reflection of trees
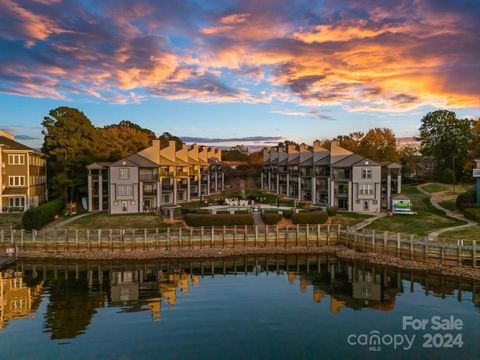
77, 290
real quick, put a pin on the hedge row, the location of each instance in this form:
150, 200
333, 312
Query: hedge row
332, 210
271, 218
465, 200
287, 213
218, 219
312, 217
472, 214
36, 218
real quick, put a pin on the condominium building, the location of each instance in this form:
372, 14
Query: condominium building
23, 175
330, 177
155, 177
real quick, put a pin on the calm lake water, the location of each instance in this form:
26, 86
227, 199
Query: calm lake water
285, 307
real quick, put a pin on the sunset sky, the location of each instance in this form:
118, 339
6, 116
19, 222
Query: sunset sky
252, 72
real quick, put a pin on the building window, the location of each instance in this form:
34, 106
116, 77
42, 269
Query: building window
15, 159
366, 173
16, 180
124, 190
16, 202
366, 189
124, 174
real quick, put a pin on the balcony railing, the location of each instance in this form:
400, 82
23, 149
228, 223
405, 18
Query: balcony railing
167, 173
306, 173
476, 172
148, 177
167, 187
150, 192
341, 193
182, 173
341, 176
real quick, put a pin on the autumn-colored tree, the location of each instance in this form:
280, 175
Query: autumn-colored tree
123, 139
377, 144
236, 153
351, 141
255, 158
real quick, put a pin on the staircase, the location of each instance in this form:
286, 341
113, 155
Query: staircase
257, 220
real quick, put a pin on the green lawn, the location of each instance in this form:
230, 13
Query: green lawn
348, 218
468, 233
102, 220
8, 220
426, 220
449, 204
437, 187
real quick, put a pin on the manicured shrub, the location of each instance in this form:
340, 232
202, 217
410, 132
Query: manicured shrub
287, 214
472, 214
40, 216
332, 210
201, 211
464, 200
271, 218
218, 219
312, 217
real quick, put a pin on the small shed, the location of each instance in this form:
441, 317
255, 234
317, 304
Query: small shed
401, 204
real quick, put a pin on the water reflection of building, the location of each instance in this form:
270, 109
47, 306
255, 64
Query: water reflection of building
17, 300
350, 286
137, 289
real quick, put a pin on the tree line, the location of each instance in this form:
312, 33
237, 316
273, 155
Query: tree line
71, 142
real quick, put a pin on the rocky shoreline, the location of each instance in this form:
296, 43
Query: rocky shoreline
339, 251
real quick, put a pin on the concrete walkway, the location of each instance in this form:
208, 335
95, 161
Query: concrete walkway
258, 220
434, 234
63, 223
367, 222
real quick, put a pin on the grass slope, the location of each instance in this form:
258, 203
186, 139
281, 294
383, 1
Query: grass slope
468, 233
427, 219
10, 220
102, 220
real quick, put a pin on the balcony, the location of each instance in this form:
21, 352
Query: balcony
182, 173
167, 187
341, 177
306, 172
166, 173
148, 177
341, 193
149, 192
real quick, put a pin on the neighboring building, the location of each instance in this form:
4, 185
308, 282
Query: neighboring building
23, 175
155, 177
476, 175
335, 177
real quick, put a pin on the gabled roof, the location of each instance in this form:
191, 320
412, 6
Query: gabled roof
124, 162
348, 161
10, 144
163, 161
391, 165
98, 165
325, 161
308, 162
295, 161
366, 162
142, 161
192, 161
284, 162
